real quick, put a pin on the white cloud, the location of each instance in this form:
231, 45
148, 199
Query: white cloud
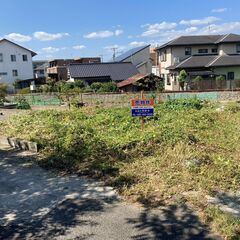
44, 36
18, 37
103, 34
100, 34
224, 28
51, 49
118, 32
203, 21
219, 10
154, 29
79, 47
137, 44
191, 29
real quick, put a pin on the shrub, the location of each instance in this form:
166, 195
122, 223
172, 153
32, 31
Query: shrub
3, 91
104, 87
79, 84
22, 103
220, 78
24, 91
96, 86
193, 103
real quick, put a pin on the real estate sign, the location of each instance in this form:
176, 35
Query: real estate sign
142, 108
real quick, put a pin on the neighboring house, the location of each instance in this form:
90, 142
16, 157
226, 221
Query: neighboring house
40, 68
206, 56
58, 68
102, 72
139, 57
15, 62
154, 58
131, 84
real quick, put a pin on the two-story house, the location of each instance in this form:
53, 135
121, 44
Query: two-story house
207, 56
58, 68
15, 62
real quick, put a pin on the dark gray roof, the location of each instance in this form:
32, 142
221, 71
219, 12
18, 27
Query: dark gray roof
229, 38
116, 71
226, 61
130, 53
208, 61
202, 40
195, 62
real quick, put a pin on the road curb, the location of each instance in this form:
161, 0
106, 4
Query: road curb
19, 144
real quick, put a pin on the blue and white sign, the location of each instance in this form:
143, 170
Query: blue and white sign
142, 112
142, 108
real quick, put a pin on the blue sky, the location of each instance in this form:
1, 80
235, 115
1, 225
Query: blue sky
78, 28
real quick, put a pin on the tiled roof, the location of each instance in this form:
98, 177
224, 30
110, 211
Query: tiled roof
116, 71
226, 61
132, 80
229, 38
208, 61
130, 53
202, 40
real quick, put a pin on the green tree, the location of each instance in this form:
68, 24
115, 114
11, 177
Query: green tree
150, 83
79, 84
197, 81
182, 78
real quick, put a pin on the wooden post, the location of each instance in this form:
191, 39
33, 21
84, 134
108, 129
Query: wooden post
142, 118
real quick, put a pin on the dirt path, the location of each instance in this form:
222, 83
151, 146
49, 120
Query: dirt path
37, 204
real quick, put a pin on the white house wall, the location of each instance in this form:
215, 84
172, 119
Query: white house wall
25, 69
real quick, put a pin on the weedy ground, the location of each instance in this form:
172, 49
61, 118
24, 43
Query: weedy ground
187, 147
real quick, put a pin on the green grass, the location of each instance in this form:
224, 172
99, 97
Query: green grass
153, 166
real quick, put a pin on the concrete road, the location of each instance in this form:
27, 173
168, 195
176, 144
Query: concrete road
38, 204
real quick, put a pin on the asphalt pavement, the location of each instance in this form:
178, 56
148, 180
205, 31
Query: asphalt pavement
39, 204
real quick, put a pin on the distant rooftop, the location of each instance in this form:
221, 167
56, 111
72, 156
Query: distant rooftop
130, 53
116, 71
202, 40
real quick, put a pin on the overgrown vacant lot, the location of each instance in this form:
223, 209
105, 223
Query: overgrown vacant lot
187, 151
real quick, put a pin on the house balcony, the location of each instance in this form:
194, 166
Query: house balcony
56, 70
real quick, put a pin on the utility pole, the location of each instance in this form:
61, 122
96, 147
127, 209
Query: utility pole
114, 53
101, 56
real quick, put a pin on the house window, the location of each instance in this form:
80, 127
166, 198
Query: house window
214, 50
230, 76
163, 56
168, 79
13, 58
203, 51
1, 57
3, 73
188, 51
25, 58
15, 73
238, 48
